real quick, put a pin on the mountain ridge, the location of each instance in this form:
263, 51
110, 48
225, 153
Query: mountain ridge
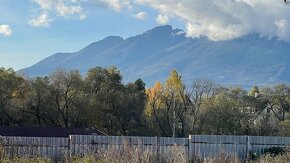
153, 54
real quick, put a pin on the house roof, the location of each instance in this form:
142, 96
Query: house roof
47, 131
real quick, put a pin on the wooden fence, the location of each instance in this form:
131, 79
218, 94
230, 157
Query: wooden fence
87, 144
35, 146
195, 146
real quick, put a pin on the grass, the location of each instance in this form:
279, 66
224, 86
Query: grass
130, 154
147, 157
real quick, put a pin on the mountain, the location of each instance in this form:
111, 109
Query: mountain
152, 55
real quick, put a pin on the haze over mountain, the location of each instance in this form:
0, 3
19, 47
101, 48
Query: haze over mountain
152, 55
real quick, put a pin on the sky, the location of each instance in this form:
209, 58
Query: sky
31, 30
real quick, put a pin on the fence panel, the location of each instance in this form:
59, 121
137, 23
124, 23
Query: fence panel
83, 144
169, 144
210, 145
35, 146
260, 143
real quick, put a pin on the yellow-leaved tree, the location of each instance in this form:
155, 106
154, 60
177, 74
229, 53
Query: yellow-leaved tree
174, 93
164, 109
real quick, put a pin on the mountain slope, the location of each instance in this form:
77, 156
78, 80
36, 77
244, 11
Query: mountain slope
153, 54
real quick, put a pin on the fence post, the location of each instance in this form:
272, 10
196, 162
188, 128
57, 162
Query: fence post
190, 147
249, 149
70, 146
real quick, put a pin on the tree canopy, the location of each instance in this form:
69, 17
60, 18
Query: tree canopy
101, 100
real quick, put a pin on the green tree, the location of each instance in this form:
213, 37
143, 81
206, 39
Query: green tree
115, 108
68, 98
222, 115
12, 91
37, 104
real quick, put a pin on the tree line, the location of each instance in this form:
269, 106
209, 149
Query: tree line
101, 100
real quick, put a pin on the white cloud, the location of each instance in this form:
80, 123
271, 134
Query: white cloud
283, 29
162, 19
113, 4
63, 8
44, 4
69, 9
73, 8
141, 15
116, 5
216, 19
226, 19
42, 21
5, 30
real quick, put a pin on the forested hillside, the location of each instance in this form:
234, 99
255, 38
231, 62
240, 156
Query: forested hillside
100, 99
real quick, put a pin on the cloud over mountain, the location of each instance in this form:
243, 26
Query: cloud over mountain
216, 19
162, 19
228, 19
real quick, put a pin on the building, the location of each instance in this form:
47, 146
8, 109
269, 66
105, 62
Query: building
47, 131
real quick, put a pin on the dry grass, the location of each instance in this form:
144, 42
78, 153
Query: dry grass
222, 158
285, 158
27, 160
133, 156
129, 154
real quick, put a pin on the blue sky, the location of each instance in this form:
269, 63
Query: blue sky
31, 30
29, 44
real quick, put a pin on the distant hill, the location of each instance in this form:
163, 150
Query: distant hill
152, 55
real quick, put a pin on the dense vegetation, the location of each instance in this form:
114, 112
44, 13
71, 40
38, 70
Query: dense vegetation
101, 100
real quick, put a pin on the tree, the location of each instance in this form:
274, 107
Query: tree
155, 112
282, 99
222, 115
200, 92
68, 97
165, 107
12, 89
174, 91
37, 103
278, 99
105, 87
254, 92
132, 103
115, 108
